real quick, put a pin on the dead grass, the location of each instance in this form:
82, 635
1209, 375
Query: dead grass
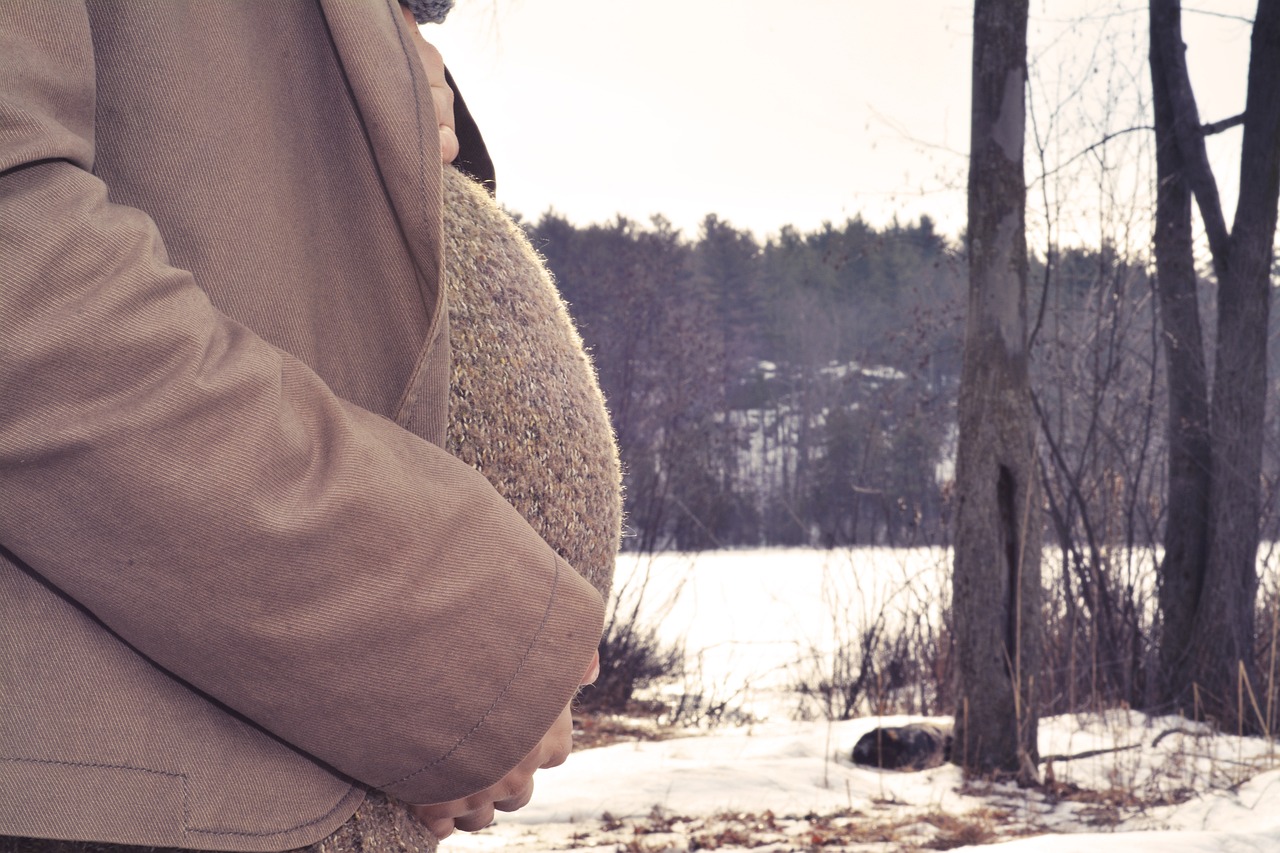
592, 729
911, 831
981, 826
1108, 807
1114, 797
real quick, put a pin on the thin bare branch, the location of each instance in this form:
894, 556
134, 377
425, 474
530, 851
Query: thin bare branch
903, 134
1241, 18
1219, 126
1166, 38
1094, 147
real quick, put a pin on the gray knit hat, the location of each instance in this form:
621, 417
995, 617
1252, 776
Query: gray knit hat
428, 11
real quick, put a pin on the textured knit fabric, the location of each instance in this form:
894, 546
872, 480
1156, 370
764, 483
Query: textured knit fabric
429, 11
525, 407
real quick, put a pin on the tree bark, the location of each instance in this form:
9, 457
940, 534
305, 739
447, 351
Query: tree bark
996, 580
1187, 522
1223, 633
1214, 669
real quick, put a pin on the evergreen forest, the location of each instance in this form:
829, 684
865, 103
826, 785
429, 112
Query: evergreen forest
799, 391
802, 390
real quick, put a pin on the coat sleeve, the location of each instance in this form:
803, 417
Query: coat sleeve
342, 583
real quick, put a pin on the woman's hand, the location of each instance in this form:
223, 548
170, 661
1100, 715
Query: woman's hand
512, 792
441, 94
515, 789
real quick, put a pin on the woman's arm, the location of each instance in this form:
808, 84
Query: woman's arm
337, 580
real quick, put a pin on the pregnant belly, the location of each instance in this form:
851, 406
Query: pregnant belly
525, 408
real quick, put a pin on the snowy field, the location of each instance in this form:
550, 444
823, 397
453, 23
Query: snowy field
748, 621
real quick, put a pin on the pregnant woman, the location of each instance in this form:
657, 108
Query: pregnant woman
250, 601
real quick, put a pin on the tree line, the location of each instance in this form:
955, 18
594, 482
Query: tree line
802, 390
793, 391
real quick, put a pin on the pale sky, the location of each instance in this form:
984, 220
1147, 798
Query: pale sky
771, 113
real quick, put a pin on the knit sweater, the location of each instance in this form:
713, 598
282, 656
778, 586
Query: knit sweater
525, 407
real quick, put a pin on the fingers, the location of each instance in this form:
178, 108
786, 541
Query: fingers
593, 670
449, 146
512, 792
435, 817
476, 820
440, 827
441, 99
473, 813
516, 802
441, 93
558, 743
476, 811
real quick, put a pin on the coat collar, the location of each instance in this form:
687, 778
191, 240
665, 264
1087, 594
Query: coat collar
391, 93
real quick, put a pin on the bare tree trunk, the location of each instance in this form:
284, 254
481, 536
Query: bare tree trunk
996, 582
1187, 524
1223, 633
1217, 658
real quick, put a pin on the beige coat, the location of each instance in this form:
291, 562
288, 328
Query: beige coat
237, 571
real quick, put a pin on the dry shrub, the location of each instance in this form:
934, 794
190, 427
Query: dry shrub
889, 657
960, 830
632, 657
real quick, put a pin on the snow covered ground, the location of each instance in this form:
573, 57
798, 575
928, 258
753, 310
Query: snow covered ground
747, 619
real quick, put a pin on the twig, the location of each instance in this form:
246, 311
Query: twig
1218, 126
1207, 13
1174, 731
1090, 753
1094, 147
